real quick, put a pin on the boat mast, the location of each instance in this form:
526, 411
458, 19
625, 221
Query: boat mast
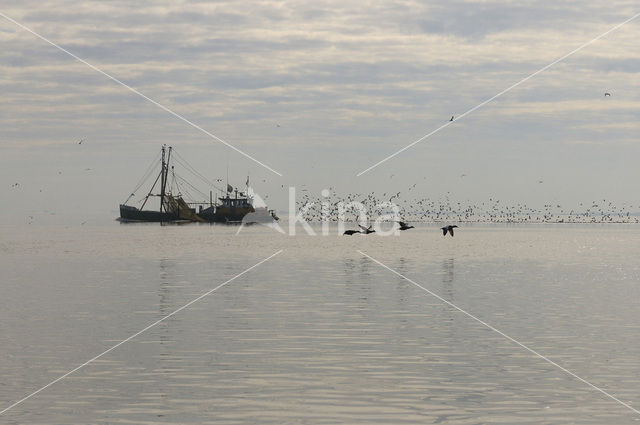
166, 171
163, 176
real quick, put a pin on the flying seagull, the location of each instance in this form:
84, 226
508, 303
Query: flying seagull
449, 229
366, 230
80, 142
350, 232
607, 94
404, 226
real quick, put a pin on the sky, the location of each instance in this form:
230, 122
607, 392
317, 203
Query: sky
320, 91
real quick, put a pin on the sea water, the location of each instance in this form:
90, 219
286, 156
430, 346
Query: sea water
320, 333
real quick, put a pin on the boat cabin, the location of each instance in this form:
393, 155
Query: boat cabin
234, 202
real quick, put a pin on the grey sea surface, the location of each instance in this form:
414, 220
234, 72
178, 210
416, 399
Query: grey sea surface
319, 334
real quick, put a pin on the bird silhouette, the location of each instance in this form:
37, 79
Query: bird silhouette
404, 226
351, 232
451, 118
449, 229
607, 94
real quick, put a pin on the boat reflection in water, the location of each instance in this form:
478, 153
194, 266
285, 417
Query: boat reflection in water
173, 207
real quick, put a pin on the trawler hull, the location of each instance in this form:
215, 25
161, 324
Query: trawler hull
224, 215
128, 213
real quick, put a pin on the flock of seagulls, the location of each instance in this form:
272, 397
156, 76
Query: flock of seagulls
445, 209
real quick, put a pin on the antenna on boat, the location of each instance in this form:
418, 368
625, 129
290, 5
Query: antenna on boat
246, 190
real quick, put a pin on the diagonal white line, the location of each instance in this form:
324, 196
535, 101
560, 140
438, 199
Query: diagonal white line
138, 333
175, 114
499, 94
500, 332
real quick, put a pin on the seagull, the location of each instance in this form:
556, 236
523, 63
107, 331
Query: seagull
350, 232
607, 94
366, 230
404, 226
451, 118
80, 142
449, 229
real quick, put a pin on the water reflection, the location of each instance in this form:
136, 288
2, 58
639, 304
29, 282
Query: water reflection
164, 287
448, 280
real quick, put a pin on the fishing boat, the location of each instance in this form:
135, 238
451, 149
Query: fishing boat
232, 207
172, 208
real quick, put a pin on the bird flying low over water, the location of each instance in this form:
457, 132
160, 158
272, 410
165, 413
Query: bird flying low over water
366, 230
449, 229
404, 226
350, 232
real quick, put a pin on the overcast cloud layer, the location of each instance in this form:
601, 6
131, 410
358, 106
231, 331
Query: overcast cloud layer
320, 91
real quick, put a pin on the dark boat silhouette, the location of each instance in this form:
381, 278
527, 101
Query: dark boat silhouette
173, 208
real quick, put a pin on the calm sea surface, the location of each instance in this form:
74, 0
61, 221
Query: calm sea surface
319, 334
